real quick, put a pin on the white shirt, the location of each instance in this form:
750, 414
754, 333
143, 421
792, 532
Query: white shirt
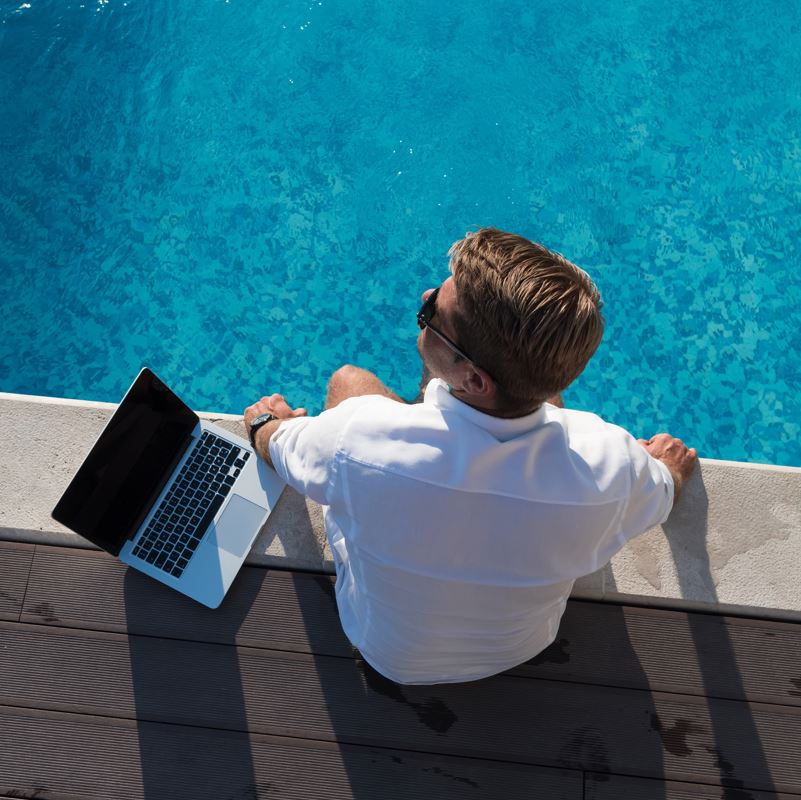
457, 535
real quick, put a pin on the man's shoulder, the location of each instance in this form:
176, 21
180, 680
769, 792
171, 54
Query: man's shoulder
388, 433
607, 449
378, 413
371, 417
579, 423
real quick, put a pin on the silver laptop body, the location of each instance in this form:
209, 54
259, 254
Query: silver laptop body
177, 497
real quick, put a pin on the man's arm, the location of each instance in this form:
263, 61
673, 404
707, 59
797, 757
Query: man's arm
303, 449
263, 436
675, 455
277, 406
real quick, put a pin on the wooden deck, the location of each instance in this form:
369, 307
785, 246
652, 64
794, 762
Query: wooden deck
115, 687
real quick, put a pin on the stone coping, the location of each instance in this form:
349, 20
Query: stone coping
732, 543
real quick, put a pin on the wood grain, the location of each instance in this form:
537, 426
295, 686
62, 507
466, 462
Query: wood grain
15, 565
61, 756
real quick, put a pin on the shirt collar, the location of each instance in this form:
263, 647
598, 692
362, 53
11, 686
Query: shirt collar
438, 394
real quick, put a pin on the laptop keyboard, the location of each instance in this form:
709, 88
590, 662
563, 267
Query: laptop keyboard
195, 496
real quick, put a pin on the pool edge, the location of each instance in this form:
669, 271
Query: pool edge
730, 544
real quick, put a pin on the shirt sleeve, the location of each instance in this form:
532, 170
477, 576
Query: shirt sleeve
651, 497
303, 449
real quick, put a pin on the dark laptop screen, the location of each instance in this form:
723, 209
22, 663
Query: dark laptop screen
119, 480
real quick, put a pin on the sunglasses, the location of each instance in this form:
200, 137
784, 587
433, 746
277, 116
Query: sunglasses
424, 315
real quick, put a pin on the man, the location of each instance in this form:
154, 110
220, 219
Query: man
459, 524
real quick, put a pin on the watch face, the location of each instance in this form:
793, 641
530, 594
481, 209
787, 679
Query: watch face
261, 419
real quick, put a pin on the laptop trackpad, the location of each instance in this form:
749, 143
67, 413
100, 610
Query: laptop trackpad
235, 528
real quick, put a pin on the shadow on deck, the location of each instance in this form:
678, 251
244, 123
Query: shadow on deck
116, 687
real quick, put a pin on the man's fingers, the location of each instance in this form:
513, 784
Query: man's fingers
276, 405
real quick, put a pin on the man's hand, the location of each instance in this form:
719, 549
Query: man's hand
675, 455
276, 405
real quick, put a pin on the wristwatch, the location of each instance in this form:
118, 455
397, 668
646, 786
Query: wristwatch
262, 419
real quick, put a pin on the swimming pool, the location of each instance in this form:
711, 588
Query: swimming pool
245, 196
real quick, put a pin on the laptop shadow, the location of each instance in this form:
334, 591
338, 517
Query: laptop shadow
190, 708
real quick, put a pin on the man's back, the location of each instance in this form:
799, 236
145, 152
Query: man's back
457, 534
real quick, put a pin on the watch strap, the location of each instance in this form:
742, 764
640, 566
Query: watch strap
257, 423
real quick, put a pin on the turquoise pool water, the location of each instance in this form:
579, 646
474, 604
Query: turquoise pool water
246, 195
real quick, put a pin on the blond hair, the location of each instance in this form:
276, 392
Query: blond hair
528, 316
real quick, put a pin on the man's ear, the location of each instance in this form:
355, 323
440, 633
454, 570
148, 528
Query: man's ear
477, 383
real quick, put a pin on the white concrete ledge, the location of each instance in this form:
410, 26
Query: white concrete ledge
731, 544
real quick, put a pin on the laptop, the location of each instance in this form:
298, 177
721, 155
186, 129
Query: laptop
174, 496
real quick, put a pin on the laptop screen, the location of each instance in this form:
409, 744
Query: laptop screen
120, 479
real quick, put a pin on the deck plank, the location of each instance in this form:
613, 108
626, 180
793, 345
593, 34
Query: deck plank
66, 756
264, 608
599, 786
641, 648
508, 718
675, 651
15, 566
